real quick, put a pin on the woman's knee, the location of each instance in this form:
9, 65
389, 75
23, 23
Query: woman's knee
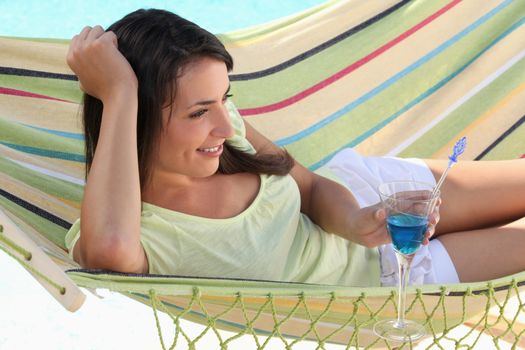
489, 253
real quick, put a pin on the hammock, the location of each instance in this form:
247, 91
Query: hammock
404, 78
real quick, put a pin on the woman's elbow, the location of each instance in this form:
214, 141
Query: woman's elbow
112, 253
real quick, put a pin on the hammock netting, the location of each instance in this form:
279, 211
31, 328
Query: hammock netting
400, 78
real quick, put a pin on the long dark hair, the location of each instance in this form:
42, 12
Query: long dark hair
158, 44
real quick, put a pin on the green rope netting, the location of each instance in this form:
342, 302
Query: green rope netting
504, 328
290, 316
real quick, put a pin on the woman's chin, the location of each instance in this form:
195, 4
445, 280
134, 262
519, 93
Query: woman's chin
206, 171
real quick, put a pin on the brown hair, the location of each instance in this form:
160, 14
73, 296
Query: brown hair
158, 44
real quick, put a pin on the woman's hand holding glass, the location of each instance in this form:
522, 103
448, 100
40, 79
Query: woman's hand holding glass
368, 226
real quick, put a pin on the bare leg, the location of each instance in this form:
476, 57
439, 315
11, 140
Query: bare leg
480, 194
489, 253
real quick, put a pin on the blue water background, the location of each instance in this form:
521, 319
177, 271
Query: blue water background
63, 19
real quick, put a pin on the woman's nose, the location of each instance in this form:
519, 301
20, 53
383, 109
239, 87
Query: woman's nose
223, 127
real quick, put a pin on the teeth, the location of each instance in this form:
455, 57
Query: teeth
209, 150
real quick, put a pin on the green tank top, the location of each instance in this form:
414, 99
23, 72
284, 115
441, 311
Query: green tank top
270, 240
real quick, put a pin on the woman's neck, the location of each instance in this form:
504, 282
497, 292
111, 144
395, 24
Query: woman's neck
216, 196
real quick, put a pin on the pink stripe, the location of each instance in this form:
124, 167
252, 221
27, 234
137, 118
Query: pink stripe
291, 100
523, 156
14, 92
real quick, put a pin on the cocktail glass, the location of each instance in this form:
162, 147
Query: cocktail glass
408, 205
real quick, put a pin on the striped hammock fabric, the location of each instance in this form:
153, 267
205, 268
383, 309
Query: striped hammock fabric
403, 78
388, 78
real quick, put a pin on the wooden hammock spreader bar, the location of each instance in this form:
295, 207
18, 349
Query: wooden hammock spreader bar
16, 244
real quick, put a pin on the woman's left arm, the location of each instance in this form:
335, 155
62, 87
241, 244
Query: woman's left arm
328, 204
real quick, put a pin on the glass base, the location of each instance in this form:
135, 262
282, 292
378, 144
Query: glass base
390, 330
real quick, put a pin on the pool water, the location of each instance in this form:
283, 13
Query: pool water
63, 19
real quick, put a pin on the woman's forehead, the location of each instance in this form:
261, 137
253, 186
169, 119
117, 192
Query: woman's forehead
203, 77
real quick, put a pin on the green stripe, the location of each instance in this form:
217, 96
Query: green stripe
45, 183
512, 147
335, 135
58, 88
38, 40
291, 81
51, 231
14, 133
467, 113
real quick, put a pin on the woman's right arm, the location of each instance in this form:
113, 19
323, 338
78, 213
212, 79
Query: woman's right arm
111, 207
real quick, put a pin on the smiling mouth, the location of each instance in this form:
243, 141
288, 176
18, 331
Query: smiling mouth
211, 149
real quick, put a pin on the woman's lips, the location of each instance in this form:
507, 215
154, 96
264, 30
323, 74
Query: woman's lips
211, 151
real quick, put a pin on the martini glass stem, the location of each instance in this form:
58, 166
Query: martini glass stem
404, 263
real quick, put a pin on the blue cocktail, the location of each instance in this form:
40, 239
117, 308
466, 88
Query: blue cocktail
407, 232
408, 205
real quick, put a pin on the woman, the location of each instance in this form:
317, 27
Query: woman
177, 183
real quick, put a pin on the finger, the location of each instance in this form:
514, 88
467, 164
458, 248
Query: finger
113, 37
434, 219
380, 214
426, 238
413, 195
73, 43
430, 231
437, 204
95, 33
109, 37
84, 33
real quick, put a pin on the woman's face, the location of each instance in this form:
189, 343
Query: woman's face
193, 135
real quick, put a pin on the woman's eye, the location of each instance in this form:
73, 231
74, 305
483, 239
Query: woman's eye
227, 97
199, 113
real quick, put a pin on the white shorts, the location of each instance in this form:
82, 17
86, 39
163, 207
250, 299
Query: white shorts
362, 176
431, 265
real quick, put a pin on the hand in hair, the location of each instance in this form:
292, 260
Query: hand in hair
101, 69
110, 215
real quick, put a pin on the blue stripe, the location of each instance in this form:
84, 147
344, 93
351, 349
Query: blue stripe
46, 153
392, 80
418, 99
69, 135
